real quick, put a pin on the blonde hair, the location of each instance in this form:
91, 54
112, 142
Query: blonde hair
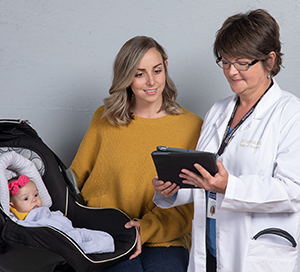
117, 104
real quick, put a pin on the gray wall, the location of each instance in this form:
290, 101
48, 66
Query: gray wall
56, 56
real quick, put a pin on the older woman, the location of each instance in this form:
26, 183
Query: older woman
256, 135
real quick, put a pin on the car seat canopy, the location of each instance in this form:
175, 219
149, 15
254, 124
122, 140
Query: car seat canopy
13, 164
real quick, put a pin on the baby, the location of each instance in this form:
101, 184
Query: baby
26, 205
24, 196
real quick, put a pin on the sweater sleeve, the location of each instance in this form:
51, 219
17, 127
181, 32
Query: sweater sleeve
86, 155
160, 226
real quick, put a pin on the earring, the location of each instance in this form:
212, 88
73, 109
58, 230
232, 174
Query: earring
268, 76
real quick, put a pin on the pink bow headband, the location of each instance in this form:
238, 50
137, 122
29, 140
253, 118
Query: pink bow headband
14, 185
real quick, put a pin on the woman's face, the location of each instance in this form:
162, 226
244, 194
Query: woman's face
249, 82
149, 81
27, 198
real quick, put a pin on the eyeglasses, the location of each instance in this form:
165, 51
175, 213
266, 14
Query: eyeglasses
239, 65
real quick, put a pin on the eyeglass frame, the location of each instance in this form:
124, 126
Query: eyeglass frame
218, 60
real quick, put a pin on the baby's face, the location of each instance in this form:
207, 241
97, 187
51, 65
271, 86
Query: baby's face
27, 198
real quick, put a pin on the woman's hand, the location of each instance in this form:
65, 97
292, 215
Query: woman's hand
216, 184
166, 189
138, 249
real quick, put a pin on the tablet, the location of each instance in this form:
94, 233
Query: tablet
169, 161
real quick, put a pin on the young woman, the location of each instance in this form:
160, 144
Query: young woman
113, 165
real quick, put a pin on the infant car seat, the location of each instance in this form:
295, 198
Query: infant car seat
44, 248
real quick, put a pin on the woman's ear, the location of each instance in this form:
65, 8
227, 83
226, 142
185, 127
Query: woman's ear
166, 63
271, 60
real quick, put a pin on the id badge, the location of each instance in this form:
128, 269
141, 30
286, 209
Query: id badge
211, 205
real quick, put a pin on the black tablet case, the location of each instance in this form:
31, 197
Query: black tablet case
169, 162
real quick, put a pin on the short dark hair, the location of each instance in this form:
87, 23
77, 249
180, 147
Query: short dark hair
253, 34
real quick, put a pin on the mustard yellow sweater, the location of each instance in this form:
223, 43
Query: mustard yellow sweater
114, 169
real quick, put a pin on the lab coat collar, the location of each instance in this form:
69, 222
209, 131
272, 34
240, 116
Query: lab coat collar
222, 122
260, 111
269, 99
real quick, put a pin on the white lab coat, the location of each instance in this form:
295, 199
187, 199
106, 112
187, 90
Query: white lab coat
263, 188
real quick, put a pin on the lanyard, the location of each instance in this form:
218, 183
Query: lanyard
228, 136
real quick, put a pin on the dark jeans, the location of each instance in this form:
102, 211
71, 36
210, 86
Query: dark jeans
155, 259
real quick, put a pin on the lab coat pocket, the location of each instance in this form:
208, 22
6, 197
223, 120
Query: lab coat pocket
268, 256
